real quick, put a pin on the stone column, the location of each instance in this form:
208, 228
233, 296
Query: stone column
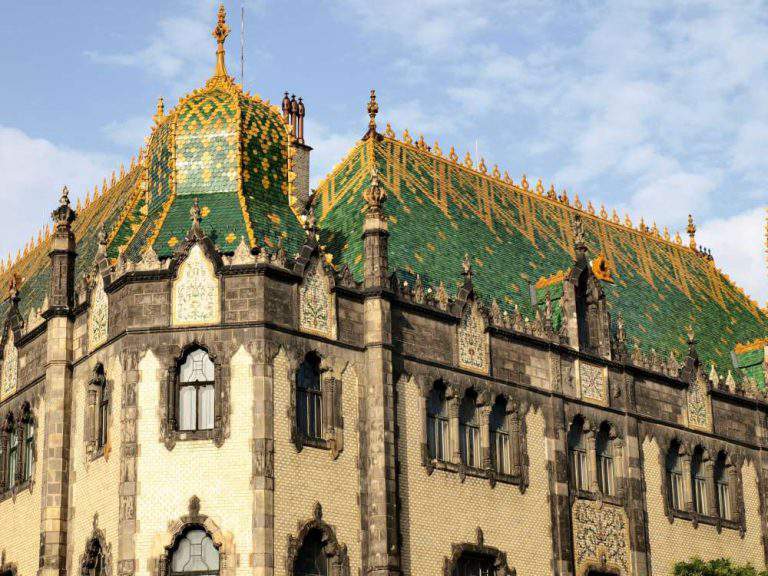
631, 489
454, 427
484, 418
556, 442
382, 557
590, 439
126, 548
58, 392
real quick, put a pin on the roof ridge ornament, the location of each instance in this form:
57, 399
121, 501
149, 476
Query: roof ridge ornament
691, 230
220, 32
373, 109
160, 111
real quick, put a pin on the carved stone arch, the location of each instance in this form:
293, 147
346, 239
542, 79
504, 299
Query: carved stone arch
335, 552
177, 529
173, 357
196, 287
478, 549
96, 545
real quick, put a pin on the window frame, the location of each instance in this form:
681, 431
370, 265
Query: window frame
310, 397
605, 456
438, 425
180, 537
578, 455
470, 450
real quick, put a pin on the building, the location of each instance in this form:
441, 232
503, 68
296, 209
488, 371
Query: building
425, 369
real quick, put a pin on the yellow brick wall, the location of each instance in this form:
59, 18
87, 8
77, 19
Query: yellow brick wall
20, 520
94, 485
301, 479
439, 510
671, 543
220, 477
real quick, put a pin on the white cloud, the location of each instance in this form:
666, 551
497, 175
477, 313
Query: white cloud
738, 246
130, 133
328, 148
32, 173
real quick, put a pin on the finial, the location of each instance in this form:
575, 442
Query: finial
691, 230
63, 216
310, 222
373, 109
220, 33
578, 234
374, 196
160, 112
466, 267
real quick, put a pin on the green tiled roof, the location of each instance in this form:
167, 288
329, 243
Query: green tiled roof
230, 151
752, 361
439, 210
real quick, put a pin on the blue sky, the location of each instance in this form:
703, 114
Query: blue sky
656, 109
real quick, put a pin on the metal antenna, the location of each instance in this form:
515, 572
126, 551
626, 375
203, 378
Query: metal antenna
242, 44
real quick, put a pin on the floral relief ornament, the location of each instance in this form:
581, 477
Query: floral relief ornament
98, 327
10, 367
316, 302
473, 341
601, 537
196, 291
592, 379
698, 404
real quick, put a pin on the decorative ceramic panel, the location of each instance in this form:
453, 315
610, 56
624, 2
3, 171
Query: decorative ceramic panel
473, 341
98, 319
600, 538
10, 368
195, 292
699, 408
593, 382
316, 307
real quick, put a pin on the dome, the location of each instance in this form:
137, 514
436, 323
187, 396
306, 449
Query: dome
229, 150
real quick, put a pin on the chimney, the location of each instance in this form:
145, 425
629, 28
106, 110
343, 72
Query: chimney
293, 115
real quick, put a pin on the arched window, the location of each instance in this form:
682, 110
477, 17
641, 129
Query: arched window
98, 399
722, 486
437, 423
502, 449
196, 392
474, 565
94, 563
309, 398
675, 477
194, 554
13, 454
605, 464
103, 418
28, 456
699, 482
469, 431
311, 559
577, 448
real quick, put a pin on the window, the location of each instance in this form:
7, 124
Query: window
13, 456
502, 456
605, 470
469, 431
577, 449
437, 423
309, 398
723, 487
196, 554
102, 421
699, 482
474, 565
311, 559
93, 560
99, 410
196, 392
675, 477
29, 449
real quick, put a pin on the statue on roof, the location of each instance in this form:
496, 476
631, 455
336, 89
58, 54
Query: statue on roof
374, 195
578, 233
466, 265
220, 33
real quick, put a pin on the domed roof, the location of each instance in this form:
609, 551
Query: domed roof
231, 151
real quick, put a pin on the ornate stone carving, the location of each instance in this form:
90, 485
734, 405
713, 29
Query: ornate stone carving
98, 317
593, 383
195, 293
473, 340
9, 375
316, 307
698, 406
481, 549
96, 548
336, 552
600, 538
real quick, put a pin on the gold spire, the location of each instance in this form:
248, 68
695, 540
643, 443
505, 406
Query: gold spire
691, 230
220, 33
160, 112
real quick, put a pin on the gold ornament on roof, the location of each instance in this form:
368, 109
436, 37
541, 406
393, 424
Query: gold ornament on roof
615, 217
421, 144
482, 167
496, 174
407, 137
389, 133
603, 212
507, 178
436, 150
691, 230
468, 160
220, 33
524, 183
590, 208
539, 187
627, 221
577, 202
551, 192
453, 156
373, 109
160, 112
